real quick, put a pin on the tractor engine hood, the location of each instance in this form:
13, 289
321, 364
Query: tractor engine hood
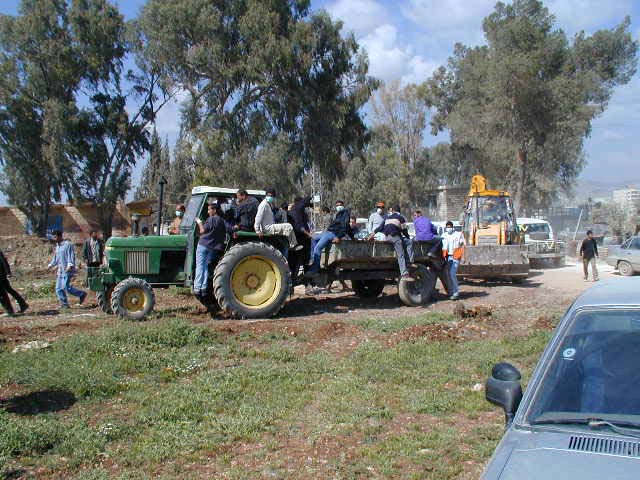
151, 241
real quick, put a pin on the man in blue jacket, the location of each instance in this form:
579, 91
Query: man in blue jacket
65, 259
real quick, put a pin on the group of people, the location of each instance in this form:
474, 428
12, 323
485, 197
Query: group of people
64, 261
392, 228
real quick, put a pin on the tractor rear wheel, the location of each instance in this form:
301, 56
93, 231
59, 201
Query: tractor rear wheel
252, 280
104, 300
419, 289
132, 299
368, 288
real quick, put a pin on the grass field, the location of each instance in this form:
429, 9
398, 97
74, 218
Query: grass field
170, 399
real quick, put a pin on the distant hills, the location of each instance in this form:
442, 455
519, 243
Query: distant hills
600, 188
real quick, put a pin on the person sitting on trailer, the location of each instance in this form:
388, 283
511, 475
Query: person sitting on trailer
394, 228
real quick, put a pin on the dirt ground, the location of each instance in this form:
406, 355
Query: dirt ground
496, 309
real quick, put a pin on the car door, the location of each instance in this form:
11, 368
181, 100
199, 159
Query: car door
633, 252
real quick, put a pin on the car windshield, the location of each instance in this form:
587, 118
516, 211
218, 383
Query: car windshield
594, 370
535, 228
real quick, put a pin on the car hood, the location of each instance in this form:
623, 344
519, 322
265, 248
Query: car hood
546, 464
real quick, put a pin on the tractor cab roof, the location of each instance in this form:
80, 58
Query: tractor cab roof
224, 192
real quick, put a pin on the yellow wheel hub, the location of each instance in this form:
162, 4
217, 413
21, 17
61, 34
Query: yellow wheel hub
256, 281
134, 300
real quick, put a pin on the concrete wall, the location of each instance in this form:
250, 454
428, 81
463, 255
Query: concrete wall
450, 202
77, 221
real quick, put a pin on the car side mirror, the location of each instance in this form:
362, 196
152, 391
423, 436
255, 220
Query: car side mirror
503, 389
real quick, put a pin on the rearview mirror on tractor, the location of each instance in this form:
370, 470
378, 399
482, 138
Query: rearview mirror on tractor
503, 389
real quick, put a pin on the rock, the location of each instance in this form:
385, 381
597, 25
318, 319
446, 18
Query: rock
35, 345
477, 387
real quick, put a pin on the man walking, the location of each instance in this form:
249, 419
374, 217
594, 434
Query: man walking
337, 230
589, 254
93, 250
265, 222
246, 211
395, 231
65, 259
426, 231
452, 250
6, 289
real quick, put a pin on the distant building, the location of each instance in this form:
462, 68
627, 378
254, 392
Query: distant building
627, 198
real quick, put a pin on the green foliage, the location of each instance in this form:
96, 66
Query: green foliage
260, 75
523, 104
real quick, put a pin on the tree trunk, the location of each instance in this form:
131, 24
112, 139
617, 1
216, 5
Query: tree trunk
105, 217
520, 195
42, 222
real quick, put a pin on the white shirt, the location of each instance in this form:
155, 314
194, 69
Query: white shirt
264, 217
451, 241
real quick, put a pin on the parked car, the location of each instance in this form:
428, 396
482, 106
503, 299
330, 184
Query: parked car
580, 414
625, 257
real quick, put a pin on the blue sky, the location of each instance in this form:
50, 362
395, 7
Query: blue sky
408, 39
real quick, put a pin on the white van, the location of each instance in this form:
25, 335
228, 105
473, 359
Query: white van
535, 229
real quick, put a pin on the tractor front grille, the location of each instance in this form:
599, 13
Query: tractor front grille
138, 262
487, 239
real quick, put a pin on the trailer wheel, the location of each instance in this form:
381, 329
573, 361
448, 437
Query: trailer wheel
625, 268
252, 280
132, 299
368, 288
417, 291
104, 300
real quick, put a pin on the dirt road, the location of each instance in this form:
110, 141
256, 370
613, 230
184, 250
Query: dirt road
545, 293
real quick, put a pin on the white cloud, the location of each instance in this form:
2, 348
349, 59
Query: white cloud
575, 15
391, 59
358, 16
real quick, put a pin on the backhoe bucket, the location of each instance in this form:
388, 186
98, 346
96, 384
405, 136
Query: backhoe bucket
507, 262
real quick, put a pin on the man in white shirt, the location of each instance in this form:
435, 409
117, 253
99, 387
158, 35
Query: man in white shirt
265, 222
452, 246
375, 220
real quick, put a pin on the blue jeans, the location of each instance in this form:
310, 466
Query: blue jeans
318, 244
63, 286
453, 271
204, 257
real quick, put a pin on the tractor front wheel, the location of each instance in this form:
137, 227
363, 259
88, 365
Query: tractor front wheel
132, 299
252, 280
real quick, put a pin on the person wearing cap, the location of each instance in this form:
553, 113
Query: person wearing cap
213, 234
395, 230
338, 229
265, 221
452, 250
174, 228
376, 219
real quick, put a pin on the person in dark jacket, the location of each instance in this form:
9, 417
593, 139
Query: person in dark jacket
246, 211
93, 250
6, 289
395, 230
589, 253
211, 245
300, 221
337, 230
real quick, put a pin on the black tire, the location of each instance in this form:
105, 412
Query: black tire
419, 290
625, 268
368, 288
127, 296
104, 300
270, 286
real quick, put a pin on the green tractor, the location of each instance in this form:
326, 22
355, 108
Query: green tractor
251, 280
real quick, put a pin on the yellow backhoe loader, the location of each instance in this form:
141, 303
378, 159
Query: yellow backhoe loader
495, 248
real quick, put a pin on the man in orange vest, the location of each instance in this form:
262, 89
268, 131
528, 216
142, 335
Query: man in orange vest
452, 250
